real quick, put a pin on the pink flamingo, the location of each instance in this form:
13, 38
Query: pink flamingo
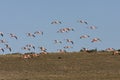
95, 40
84, 36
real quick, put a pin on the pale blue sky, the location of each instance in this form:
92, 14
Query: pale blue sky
23, 16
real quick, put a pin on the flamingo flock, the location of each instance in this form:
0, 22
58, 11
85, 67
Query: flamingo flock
67, 42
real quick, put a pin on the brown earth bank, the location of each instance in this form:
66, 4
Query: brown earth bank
57, 66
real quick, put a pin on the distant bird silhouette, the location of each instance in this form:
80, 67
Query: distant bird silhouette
70, 29
68, 40
13, 35
61, 50
95, 40
57, 41
8, 47
84, 49
30, 35
84, 36
110, 49
30, 46
25, 48
1, 33
1, 49
56, 22
82, 21
38, 32
43, 49
65, 30
66, 47
62, 30
3, 41
92, 27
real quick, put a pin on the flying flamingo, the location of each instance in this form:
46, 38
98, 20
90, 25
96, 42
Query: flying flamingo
13, 35
65, 29
43, 50
1, 33
8, 47
66, 47
95, 40
57, 41
30, 35
92, 27
3, 41
82, 21
25, 48
56, 22
38, 32
84, 36
30, 46
68, 40
1, 49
